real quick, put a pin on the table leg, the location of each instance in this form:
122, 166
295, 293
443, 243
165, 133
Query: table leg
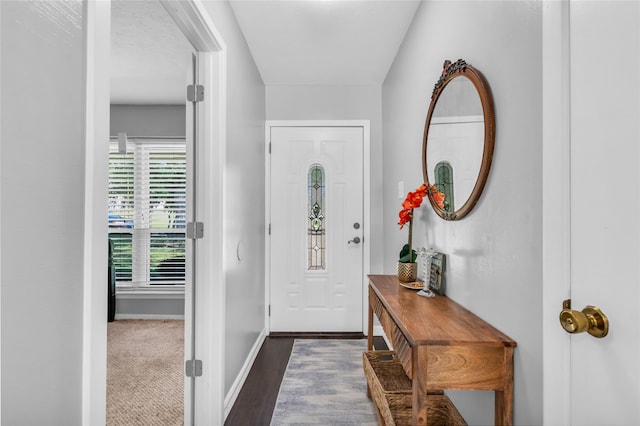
370, 330
504, 397
419, 415
370, 342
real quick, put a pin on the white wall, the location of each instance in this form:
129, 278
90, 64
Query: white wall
42, 211
340, 103
494, 254
42, 136
244, 195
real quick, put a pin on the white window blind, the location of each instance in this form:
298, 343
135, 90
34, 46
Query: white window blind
147, 210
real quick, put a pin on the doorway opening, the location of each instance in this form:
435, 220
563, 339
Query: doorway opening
204, 314
148, 191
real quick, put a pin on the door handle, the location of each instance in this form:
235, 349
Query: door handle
591, 319
356, 240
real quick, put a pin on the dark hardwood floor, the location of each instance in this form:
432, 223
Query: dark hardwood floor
257, 398
254, 405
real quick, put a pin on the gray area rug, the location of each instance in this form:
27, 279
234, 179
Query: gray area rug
324, 385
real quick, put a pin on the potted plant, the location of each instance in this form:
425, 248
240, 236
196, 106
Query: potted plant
407, 266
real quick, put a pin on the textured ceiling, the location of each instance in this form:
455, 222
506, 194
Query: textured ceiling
149, 54
293, 42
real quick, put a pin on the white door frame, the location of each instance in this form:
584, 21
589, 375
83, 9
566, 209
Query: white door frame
366, 201
556, 210
94, 338
193, 19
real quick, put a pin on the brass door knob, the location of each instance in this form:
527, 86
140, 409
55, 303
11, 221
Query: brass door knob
591, 319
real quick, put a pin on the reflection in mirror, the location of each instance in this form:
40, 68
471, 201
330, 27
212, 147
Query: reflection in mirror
456, 137
444, 183
458, 140
458, 100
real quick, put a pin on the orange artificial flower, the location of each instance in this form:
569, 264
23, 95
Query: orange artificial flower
405, 217
413, 201
438, 197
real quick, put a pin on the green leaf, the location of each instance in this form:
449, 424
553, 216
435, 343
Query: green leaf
404, 255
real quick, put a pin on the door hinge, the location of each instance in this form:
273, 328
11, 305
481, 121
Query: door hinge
193, 368
269, 147
195, 230
195, 93
269, 310
269, 229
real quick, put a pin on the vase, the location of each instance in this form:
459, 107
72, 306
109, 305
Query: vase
407, 272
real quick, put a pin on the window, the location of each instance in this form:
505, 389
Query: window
444, 183
147, 210
316, 227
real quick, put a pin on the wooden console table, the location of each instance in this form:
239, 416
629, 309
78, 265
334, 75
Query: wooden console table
442, 345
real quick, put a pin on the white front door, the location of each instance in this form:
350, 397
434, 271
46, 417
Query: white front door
603, 213
316, 229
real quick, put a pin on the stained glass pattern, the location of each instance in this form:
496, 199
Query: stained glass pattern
444, 183
316, 250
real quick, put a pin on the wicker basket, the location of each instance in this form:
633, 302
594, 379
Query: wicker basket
391, 391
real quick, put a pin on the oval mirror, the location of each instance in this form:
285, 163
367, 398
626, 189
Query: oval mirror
459, 134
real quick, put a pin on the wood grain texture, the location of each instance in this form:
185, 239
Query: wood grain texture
257, 398
464, 367
504, 398
433, 320
442, 345
399, 342
419, 387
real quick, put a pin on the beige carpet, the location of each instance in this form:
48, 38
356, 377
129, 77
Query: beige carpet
145, 373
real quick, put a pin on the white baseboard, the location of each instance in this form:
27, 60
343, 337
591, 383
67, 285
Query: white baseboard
150, 294
231, 397
148, 317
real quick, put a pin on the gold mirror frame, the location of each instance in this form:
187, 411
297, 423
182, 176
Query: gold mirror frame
450, 71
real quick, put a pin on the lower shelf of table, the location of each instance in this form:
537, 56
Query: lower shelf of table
391, 391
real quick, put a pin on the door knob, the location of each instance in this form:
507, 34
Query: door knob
590, 319
356, 240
